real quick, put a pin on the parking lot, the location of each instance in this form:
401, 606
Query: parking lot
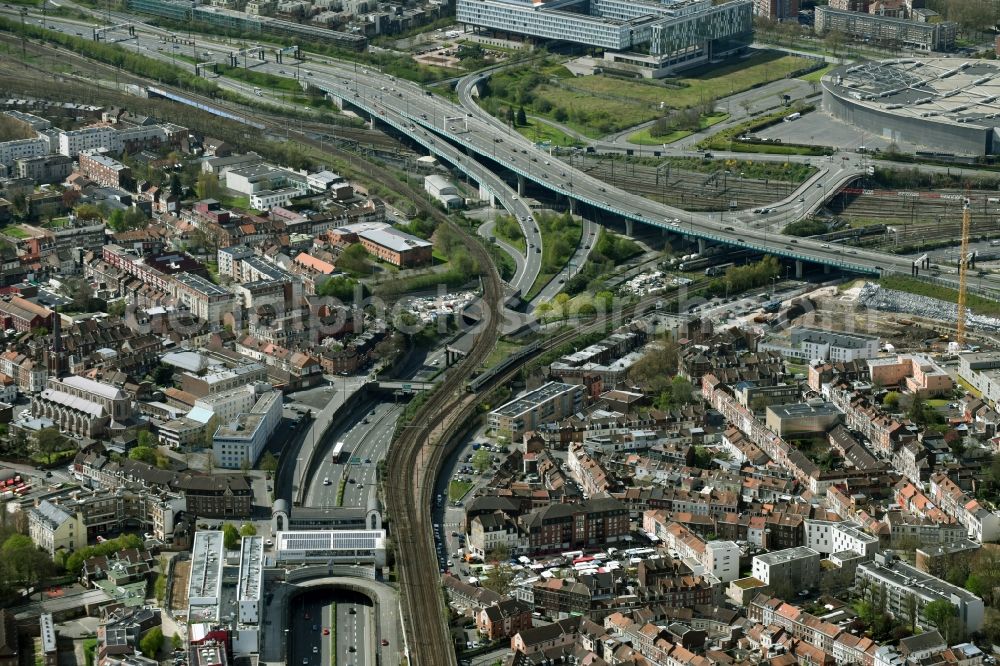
822, 129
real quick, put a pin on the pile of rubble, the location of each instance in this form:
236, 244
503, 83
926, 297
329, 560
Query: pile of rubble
653, 282
890, 300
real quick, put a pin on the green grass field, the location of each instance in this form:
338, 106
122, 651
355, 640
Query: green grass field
690, 91
458, 489
557, 247
644, 138
13, 231
817, 74
501, 350
596, 105
540, 131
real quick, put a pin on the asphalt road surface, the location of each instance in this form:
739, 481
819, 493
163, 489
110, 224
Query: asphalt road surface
312, 630
364, 445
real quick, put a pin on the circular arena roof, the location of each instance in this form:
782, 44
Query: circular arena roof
936, 90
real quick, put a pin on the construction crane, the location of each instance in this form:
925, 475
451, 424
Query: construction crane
963, 270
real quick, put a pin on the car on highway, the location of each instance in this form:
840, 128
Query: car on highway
326, 631
384, 642
729, 229
352, 611
326, 481
315, 649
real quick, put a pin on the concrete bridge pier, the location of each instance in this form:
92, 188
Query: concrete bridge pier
572, 205
701, 245
520, 185
798, 268
630, 228
826, 269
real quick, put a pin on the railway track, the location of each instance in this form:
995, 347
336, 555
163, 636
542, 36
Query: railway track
411, 479
690, 189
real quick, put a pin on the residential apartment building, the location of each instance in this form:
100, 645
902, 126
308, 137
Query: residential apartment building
205, 300
814, 344
902, 581
548, 403
44, 169
913, 373
104, 170
493, 531
983, 524
68, 523
217, 496
74, 142
219, 379
887, 30
829, 537
591, 523
11, 151
776, 10
798, 567
720, 559
982, 371
54, 529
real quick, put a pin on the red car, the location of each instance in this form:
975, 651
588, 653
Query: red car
385, 642
326, 631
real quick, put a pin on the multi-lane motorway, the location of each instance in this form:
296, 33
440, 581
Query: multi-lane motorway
330, 626
365, 443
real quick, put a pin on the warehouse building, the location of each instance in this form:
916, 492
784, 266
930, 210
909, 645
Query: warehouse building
443, 190
397, 247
